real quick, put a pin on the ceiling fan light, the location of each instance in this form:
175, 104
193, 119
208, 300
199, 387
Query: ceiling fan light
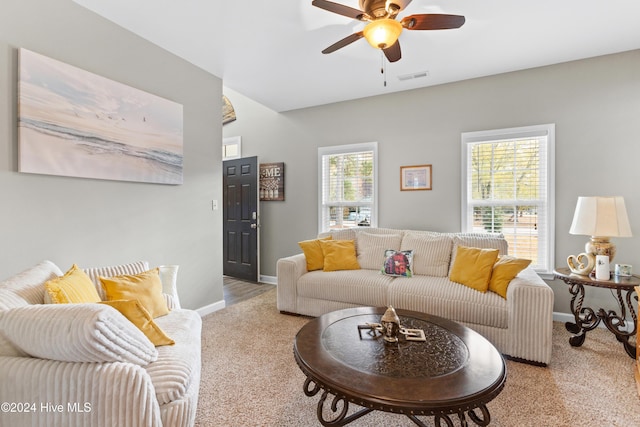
382, 33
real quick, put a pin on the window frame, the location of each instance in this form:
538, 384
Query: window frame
548, 163
230, 142
347, 149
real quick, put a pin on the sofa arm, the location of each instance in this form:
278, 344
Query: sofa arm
173, 302
43, 393
169, 279
530, 305
288, 271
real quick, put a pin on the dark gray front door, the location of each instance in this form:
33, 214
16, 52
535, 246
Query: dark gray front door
240, 229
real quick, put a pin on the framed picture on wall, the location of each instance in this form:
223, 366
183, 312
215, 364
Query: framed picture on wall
272, 182
414, 178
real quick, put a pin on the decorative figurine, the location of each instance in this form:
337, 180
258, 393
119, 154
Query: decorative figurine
391, 325
582, 264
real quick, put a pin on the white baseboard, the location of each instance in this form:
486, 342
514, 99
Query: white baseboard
271, 280
563, 317
208, 309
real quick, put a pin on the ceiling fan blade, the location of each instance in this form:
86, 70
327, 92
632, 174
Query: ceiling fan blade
432, 22
345, 41
393, 52
339, 9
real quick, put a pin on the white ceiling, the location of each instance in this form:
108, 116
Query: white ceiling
270, 51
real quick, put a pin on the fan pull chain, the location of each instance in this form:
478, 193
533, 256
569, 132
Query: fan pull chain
383, 68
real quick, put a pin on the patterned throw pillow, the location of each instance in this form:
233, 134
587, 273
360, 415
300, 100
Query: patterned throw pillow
398, 263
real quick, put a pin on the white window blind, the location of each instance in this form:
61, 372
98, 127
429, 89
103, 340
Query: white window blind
348, 188
508, 188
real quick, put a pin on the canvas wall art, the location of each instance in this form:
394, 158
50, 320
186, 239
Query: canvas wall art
75, 123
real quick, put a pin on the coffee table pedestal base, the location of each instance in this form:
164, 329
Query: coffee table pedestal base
339, 409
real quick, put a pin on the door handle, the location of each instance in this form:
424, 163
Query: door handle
254, 225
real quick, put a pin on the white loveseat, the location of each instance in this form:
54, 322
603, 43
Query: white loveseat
86, 365
520, 326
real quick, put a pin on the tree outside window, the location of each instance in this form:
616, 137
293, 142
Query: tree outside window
508, 189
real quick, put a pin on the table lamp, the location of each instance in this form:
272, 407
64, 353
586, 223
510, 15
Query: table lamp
601, 218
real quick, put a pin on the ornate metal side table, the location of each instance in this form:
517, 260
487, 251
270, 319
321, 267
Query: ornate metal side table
586, 318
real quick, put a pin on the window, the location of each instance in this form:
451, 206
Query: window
231, 148
508, 188
348, 188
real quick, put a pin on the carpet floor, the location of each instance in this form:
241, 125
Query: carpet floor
250, 378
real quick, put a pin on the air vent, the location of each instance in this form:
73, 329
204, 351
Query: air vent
412, 76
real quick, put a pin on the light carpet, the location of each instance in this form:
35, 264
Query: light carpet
250, 378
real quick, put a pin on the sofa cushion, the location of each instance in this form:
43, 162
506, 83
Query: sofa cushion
371, 248
339, 255
352, 233
313, 253
139, 316
177, 368
71, 288
441, 297
27, 287
362, 287
76, 333
343, 234
431, 252
473, 267
504, 270
145, 287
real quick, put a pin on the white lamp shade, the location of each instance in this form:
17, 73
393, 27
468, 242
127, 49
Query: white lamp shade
601, 216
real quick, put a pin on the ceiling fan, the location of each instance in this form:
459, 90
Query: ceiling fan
383, 30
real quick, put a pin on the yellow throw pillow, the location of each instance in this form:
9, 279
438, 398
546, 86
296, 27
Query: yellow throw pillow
313, 253
472, 267
339, 255
139, 316
504, 271
145, 287
74, 287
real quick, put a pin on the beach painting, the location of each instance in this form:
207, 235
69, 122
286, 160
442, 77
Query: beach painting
75, 123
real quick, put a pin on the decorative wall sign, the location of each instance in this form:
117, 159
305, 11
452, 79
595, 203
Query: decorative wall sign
415, 178
75, 123
272, 181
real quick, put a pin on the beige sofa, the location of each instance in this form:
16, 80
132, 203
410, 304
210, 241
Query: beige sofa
519, 326
87, 365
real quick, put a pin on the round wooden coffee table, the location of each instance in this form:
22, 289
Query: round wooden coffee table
453, 374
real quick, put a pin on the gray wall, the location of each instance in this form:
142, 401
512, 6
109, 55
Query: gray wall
96, 222
594, 103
